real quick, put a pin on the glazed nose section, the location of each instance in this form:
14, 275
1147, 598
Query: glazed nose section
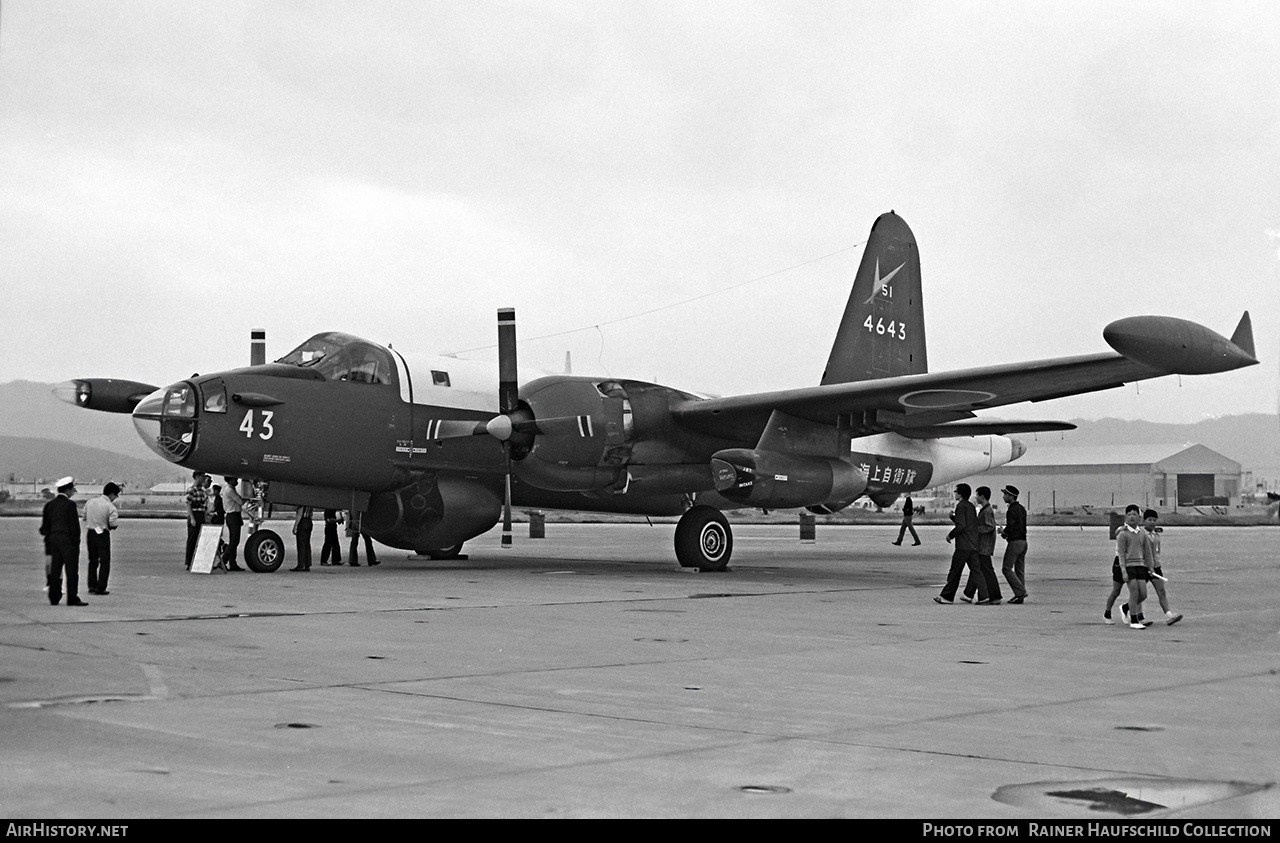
166, 421
1017, 448
146, 420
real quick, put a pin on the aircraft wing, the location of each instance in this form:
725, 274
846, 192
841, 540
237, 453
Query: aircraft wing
934, 404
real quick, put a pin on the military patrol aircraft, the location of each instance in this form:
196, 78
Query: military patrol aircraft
434, 450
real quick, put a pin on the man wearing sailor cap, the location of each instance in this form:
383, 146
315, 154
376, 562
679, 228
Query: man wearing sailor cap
60, 527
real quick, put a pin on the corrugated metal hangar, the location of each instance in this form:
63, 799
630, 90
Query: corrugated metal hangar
1164, 476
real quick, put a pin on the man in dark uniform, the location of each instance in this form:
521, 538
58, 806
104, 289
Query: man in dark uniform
965, 532
908, 510
60, 527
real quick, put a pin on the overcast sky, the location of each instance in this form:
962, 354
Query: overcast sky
175, 174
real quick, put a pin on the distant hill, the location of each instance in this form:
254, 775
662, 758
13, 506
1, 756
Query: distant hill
28, 458
30, 409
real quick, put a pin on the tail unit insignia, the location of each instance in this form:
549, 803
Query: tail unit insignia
882, 332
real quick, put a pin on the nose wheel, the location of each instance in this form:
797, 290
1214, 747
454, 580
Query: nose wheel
264, 552
704, 539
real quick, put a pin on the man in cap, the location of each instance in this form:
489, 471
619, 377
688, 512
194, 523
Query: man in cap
60, 526
100, 518
1014, 532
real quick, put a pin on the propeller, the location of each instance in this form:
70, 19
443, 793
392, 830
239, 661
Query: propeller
513, 419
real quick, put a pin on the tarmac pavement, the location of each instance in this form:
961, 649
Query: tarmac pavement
584, 675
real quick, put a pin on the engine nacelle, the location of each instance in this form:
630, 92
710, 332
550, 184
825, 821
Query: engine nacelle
770, 479
591, 455
435, 512
110, 395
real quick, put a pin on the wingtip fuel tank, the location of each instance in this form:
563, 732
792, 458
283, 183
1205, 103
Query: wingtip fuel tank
109, 395
1180, 346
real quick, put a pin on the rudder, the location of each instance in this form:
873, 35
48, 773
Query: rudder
882, 332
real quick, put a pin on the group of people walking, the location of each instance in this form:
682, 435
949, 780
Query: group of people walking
974, 535
1137, 562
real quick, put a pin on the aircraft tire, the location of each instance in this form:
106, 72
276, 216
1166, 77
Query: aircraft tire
264, 552
446, 552
704, 539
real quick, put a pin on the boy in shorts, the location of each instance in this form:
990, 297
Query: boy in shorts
1132, 567
1149, 518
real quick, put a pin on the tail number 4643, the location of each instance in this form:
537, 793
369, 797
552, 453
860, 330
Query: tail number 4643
267, 430
897, 330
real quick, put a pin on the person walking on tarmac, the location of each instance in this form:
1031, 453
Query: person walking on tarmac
1014, 533
1132, 568
1149, 518
965, 533
908, 510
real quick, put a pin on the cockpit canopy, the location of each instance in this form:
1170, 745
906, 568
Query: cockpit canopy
342, 357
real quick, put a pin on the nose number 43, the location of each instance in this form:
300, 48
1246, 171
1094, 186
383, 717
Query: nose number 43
267, 430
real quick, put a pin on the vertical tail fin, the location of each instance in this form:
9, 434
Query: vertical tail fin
882, 332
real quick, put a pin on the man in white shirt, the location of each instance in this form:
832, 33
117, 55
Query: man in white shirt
100, 518
233, 505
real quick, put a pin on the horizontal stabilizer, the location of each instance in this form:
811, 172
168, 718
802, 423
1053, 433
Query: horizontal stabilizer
982, 427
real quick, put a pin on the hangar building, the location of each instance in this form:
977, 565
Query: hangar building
1158, 476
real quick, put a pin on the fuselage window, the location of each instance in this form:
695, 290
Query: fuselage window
215, 397
358, 364
439, 378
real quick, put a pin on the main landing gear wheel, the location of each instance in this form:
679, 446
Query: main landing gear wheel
703, 539
446, 552
264, 552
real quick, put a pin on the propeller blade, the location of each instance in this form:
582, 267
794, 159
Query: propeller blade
501, 427
506, 499
508, 378
454, 429
558, 426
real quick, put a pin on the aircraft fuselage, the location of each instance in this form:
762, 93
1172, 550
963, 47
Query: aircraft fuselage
369, 437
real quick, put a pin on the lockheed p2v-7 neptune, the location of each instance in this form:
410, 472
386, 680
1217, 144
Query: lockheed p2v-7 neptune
433, 451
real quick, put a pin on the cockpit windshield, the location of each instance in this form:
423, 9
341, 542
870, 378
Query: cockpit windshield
317, 348
342, 357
